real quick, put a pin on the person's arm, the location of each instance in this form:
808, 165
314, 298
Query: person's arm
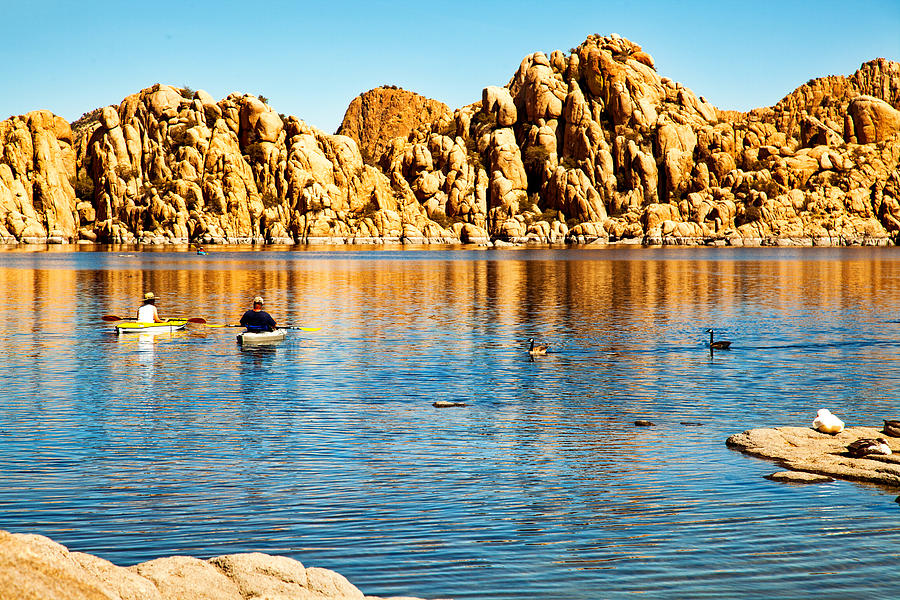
272, 325
156, 318
243, 320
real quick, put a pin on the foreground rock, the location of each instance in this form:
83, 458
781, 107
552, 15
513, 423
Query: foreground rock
806, 450
33, 567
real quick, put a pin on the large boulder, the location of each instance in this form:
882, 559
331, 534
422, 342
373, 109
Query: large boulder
873, 120
33, 567
374, 118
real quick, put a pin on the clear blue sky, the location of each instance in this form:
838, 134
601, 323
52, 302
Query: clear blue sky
312, 58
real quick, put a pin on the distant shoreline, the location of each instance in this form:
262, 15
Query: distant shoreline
580, 242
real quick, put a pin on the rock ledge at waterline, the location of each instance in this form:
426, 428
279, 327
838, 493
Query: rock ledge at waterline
34, 567
805, 450
592, 145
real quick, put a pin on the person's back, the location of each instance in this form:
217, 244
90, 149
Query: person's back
147, 313
256, 319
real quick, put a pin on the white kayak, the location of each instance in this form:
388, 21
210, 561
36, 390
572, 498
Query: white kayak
139, 327
255, 338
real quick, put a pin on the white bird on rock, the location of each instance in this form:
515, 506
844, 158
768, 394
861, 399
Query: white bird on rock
826, 422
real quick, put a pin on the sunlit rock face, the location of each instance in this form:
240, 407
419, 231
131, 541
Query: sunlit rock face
37, 165
610, 150
589, 145
174, 165
376, 117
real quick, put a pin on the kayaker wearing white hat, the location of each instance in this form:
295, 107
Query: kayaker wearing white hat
256, 319
147, 313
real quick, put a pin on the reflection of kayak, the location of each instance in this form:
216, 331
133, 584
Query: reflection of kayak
251, 338
138, 327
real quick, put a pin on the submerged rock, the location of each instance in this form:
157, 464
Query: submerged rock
34, 566
447, 404
799, 477
809, 451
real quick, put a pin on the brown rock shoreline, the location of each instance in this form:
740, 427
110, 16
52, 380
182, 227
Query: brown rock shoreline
34, 567
805, 450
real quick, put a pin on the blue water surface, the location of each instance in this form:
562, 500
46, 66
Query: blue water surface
326, 447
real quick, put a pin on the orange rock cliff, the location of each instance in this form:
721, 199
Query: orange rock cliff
588, 146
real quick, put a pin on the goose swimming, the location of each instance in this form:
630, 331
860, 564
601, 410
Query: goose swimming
720, 345
826, 422
535, 349
865, 447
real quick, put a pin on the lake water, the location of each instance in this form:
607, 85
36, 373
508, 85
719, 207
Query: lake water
326, 448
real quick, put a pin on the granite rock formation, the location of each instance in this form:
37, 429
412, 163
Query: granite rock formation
171, 166
581, 147
33, 567
37, 164
805, 450
376, 117
595, 146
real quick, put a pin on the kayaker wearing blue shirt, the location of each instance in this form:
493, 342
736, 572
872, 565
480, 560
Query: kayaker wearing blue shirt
147, 312
257, 319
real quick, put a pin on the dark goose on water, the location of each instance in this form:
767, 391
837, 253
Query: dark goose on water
537, 348
719, 345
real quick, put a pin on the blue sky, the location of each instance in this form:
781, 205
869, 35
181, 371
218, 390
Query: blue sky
312, 59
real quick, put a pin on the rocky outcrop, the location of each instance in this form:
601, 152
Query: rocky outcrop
37, 167
825, 99
376, 117
596, 146
33, 567
805, 450
171, 166
587, 146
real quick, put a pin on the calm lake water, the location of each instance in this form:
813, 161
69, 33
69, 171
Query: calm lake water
326, 448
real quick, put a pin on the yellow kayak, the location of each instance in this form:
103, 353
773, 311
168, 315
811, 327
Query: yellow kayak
138, 327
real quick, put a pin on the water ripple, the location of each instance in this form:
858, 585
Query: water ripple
326, 448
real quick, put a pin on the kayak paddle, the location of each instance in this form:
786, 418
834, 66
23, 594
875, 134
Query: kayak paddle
117, 318
278, 327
